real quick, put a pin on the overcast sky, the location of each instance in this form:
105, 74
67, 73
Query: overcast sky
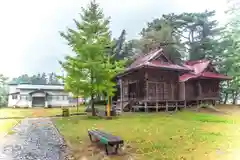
29, 29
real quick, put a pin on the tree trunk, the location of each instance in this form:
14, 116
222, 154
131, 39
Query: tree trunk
235, 95
77, 103
92, 95
92, 105
225, 98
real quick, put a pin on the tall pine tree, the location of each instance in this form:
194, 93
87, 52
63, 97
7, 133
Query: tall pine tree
89, 72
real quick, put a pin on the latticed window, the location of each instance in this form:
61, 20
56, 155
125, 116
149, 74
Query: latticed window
152, 88
160, 91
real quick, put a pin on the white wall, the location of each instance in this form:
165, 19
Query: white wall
18, 102
23, 103
12, 102
57, 98
60, 101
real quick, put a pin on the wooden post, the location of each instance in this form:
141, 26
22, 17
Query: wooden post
145, 106
199, 89
146, 98
147, 90
172, 91
156, 96
214, 102
176, 106
166, 109
121, 95
156, 106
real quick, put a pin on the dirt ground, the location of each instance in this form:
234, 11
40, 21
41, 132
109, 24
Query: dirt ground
229, 109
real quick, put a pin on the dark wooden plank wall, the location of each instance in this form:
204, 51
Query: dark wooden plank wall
210, 89
162, 85
134, 80
191, 90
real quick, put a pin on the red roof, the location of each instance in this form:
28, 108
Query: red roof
186, 77
198, 70
197, 66
145, 58
215, 75
148, 60
156, 63
195, 69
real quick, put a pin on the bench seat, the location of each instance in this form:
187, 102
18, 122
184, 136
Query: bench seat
106, 139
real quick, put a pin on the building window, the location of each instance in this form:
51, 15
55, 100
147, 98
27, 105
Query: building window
14, 96
22, 97
64, 97
49, 98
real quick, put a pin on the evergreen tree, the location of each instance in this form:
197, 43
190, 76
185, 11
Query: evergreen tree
230, 58
89, 72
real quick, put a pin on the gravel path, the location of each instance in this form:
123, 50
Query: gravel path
33, 139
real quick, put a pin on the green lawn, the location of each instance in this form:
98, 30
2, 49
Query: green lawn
11, 116
181, 135
6, 125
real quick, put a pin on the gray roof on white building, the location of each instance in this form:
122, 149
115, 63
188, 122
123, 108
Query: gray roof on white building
43, 87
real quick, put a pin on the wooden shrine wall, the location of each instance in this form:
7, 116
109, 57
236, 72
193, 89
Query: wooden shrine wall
210, 88
161, 85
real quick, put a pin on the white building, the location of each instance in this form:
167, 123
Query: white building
28, 95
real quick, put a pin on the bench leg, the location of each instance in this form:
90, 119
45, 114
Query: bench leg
90, 137
106, 149
116, 149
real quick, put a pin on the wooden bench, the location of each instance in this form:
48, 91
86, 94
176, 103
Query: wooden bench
106, 139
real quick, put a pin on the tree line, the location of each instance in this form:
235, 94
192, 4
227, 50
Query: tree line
37, 79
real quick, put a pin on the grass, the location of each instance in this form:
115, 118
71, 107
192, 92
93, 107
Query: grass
182, 135
11, 116
34, 112
6, 125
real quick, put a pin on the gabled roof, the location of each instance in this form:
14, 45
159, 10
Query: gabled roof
150, 60
38, 91
14, 93
199, 70
145, 58
156, 64
197, 66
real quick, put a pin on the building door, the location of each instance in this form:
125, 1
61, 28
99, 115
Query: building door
38, 101
132, 90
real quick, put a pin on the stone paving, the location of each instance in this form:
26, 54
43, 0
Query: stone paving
32, 139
